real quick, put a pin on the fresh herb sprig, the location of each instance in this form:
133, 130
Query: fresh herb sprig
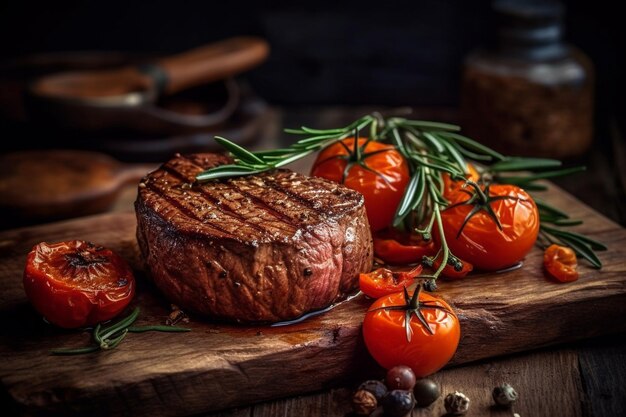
551, 231
109, 337
431, 149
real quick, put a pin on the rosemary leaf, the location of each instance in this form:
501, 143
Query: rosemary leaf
473, 145
567, 222
408, 197
522, 180
109, 331
238, 151
594, 244
225, 171
318, 131
434, 141
75, 351
293, 158
156, 328
542, 205
427, 125
472, 155
456, 156
524, 164
273, 152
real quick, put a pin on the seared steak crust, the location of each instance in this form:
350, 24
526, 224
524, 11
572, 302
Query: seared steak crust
260, 248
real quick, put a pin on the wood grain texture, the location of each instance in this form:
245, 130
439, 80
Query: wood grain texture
218, 366
603, 374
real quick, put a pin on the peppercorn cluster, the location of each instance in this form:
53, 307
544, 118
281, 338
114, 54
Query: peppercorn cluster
397, 395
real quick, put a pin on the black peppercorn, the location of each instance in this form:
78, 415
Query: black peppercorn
375, 387
398, 403
426, 392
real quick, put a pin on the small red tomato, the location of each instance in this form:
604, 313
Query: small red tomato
383, 281
76, 283
376, 170
471, 226
561, 263
396, 248
424, 350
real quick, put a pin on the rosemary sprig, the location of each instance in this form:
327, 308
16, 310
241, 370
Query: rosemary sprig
247, 163
550, 231
431, 149
107, 338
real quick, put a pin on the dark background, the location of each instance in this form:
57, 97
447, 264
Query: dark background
327, 52
388, 53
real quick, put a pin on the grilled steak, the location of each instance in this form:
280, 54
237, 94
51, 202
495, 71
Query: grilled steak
260, 248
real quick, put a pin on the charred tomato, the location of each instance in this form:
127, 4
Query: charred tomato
396, 248
376, 170
76, 283
382, 281
491, 227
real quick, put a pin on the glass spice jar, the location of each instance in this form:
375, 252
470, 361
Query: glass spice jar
531, 94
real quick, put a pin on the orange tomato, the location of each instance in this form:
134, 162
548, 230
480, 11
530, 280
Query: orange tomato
397, 248
76, 283
381, 175
450, 186
427, 351
383, 281
561, 263
480, 241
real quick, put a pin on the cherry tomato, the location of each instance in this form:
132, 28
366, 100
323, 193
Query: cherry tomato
561, 263
383, 281
480, 241
76, 283
386, 336
450, 271
381, 175
451, 186
396, 248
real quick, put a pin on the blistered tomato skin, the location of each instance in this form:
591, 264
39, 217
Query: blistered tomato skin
382, 183
76, 284
560, 262
386, 338
481, 242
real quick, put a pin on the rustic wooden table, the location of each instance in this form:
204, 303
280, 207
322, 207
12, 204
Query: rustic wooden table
586, 378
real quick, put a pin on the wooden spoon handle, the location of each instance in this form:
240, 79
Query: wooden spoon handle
213, 62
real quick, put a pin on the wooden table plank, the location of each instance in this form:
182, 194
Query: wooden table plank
217, 366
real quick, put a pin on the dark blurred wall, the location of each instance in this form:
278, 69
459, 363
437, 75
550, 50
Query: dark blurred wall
403, 52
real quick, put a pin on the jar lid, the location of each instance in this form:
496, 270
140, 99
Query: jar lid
529, 22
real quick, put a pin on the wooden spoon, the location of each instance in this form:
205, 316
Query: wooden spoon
132, 86
54, 184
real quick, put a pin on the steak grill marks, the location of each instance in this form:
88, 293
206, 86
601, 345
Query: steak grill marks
260, 208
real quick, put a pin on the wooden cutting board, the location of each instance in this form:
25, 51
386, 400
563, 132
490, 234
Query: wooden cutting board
217, 366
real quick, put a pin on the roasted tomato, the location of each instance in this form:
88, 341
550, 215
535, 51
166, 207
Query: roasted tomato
383, 281
424, 350
492, 228
376, 170
561, 263
397, 248
76, 283
451, 186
